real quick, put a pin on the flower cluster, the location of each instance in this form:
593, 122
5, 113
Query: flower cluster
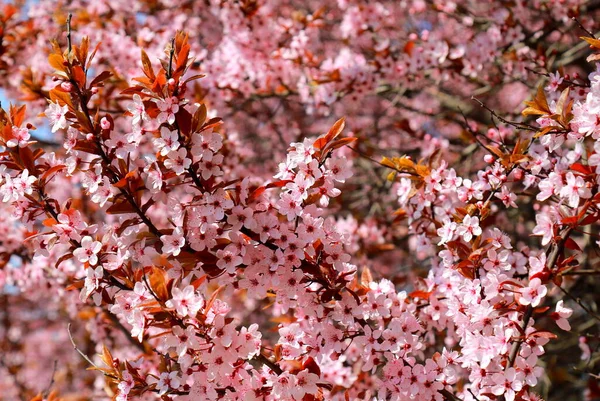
196, 268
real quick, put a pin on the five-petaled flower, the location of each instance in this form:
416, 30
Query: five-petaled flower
88, 251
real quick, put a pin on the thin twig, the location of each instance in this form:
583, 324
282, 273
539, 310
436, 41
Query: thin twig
80, 352
584, 29
448, 395
171, 55
69, 46
578, 302
504, 120
47, 391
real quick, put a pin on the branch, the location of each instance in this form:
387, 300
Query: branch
69, 45
80, 352
553, 253
448, 395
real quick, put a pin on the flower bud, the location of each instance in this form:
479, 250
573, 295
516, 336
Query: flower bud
104, 123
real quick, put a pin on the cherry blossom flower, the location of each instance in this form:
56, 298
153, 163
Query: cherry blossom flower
561, 315
137, 110
508, 383
168, 108
21, 137
56, 113
88, 252
469, 228
574, 189
555, 81
544, 227
167, 381
533, 293
178, 161
185, 302
167, 142
173, 243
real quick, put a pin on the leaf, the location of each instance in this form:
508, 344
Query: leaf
199, 118
107, 357
194, 77
590, 219
56, 61
157, 280
543, 334
420, 294
571, 244
335, 130
89, 61
539, 105
52, 170
580, 168
340, 142
147, 66
79, 75
312, 366
100, 78
213, 297
366, 277
198, 282
63, 258
17, 114
256, 193
86, 146
184, 121
120, 207
495, 150
544, 131
83, 51
213, 122
595, 43
560, 104
278, 184
26, 156
49, 222
62, 98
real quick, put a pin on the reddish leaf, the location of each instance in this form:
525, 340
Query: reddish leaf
103, 76
571, 244
312, 366
120, 207
580, 168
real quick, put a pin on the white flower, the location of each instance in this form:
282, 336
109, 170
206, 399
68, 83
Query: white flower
469, 228
56, 114
172, 244
88, 251
137, 110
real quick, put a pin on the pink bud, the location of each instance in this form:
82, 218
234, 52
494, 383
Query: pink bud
518, 174
66, 86
488, 158
104, 123
94, 90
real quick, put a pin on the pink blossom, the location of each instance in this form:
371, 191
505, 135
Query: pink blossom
56, 113
469, 228
168, 108
533, 293
185, 302
88, 252
173, 243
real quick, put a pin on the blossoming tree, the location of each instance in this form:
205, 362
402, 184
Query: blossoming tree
189, 221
